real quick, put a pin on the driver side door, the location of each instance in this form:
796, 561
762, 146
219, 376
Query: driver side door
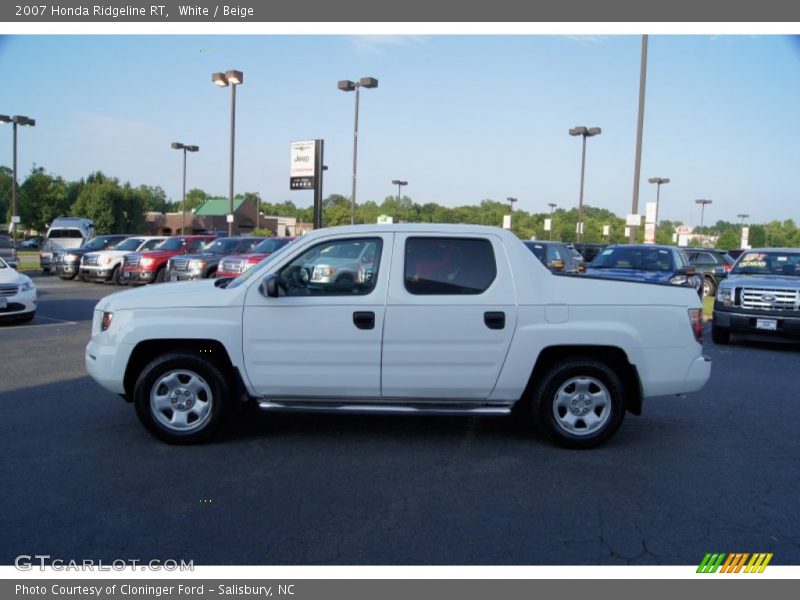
321, 337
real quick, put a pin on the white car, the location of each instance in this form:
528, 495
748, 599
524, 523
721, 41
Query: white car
17, 294
104, 265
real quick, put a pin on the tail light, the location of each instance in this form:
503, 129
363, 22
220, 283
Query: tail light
14, 253
727, 267
696, 320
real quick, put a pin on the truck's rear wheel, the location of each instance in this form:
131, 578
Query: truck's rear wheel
579, 402
180, 398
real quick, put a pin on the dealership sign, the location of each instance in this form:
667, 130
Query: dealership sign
301, 169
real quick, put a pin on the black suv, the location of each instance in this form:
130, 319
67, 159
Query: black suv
706, 261
556, 256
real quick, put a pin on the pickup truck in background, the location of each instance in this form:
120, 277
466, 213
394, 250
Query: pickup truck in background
441, 319
106, 265
151, 267
205, 263
236, 264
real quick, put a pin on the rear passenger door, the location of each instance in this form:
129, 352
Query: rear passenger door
450, 315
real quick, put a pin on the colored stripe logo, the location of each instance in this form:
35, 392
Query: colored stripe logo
735, 562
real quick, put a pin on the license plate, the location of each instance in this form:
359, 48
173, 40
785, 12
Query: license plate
767, 324
3, 302
173, 278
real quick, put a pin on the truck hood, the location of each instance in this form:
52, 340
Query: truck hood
631, 275
187, 294
205, 256
764, 281
110, 253
160, 253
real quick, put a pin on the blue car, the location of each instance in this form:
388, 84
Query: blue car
648, 263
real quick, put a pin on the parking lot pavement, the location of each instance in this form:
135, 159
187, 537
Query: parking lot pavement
715, 471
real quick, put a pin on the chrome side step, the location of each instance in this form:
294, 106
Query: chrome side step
383, 408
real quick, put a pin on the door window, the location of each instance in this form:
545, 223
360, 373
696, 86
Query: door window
337, 268
448, 265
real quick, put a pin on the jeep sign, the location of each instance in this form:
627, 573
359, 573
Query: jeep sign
301, 169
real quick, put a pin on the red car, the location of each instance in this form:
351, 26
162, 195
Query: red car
151, 266
236, 264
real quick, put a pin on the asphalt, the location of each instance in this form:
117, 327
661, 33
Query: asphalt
716, 471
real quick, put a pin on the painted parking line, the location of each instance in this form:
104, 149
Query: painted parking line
35, 323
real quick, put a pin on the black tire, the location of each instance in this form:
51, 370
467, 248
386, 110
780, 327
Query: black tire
709, 287
182, 365
116, 276
551, 416
161, 275
720, 335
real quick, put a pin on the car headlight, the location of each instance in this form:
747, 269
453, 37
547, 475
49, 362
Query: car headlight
322, 272
679, 280
70, 258
27, 287
725, 295
197, 265
148, 262
106, 322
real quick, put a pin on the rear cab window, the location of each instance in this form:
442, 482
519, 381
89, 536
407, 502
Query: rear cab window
448, 266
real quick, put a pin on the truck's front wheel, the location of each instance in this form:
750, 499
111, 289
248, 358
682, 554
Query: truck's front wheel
579, 402
180, 398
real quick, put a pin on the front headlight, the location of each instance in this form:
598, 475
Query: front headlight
148, 262
197, 265
725, 295
679, 280
70, 258
322, 272
27, 286
106, 322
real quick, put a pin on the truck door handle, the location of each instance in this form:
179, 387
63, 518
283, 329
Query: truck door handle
364, 320
494, 320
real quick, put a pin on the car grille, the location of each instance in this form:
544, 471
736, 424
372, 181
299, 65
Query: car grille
8, 290
769, 299
180, 264
90, 261
234, 265
132, 260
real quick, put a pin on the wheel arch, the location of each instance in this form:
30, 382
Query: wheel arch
207, 349
613, 356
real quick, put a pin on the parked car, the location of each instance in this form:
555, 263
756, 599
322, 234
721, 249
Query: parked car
706, 261
151, 267
17, 294
204, 263
67, 263
760, 295
64, 233
556, 256
589, 251
7, 251
457, 319
233, 266
105, 265
648, 263
734, 253
30, 244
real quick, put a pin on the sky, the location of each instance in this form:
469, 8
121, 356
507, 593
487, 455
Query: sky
461, 118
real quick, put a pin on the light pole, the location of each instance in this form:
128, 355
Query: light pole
348, 86
639, 128
511, 201
230, 78
399, 185
702, 202
659, 181
742, 216
552, 206
24, 122
186, 148
583, 132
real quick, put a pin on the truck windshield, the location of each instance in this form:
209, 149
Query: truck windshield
225, 246
170, 244
784, 264
269, 246
129, 244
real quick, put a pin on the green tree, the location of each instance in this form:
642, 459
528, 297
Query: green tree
42, 198
6, 181
729, 239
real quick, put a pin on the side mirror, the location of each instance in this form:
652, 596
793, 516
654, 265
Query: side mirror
582, 268
720, 272
269, 287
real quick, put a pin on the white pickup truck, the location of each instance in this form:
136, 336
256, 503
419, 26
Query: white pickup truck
440, 319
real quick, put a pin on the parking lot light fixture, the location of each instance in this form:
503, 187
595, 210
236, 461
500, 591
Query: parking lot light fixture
399, 183
511, 202
742, 216
659, 181
186, 148
16, 120
349, 86
232, 78
584, 132
552, 206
